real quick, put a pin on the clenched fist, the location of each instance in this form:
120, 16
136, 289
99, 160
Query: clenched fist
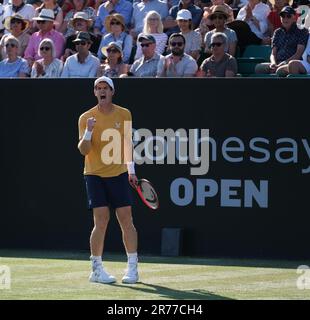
91, 123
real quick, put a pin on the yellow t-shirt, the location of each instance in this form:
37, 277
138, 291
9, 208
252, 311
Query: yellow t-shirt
106, 157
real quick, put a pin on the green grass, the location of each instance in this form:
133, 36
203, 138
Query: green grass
64, 275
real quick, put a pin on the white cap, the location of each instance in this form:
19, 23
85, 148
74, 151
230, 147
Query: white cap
104, 79
184, 15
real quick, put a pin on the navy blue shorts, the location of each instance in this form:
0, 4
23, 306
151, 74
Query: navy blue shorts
114, 192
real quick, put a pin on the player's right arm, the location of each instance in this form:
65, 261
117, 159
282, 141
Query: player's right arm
85, 134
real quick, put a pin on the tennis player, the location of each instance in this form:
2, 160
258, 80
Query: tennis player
104, 130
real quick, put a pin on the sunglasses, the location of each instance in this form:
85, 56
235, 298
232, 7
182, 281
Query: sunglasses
45, 48
111, 50
145, 45
15, 21
12, 45
218, 16
183, 20
215, 44
80, 43
286, 15
41, 22
117, 23
179, 44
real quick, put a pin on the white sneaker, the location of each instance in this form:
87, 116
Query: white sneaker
101, 276
131, 276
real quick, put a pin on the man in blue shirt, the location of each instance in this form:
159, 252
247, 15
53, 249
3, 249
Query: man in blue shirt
288, 43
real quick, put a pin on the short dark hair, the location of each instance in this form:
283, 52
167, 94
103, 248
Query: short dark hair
174, 35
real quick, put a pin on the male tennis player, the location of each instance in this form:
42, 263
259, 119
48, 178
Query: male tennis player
104, 130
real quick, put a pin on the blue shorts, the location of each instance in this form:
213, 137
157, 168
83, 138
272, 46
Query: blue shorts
114, 192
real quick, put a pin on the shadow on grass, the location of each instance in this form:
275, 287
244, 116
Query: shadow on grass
222, 261
167, 293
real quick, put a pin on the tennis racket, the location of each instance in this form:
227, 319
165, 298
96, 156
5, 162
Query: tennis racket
147, 193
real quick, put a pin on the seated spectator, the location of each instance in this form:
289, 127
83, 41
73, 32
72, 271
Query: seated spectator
255, 14
220, 64
80, 22
51, 4
219, 17
274, 21
45, 22
153, 26
27, 11
192, 38
79, 5
208, 10
49, 66
288, 43
17, 26
82, 64
147, 65
115, 26
177, 63
140, 10
301, 66
170, 23
122, 7
113, 66
13, 66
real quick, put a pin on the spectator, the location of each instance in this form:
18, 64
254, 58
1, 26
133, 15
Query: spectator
115, 26
49, 66
177, 63
140, 10
301, 66
114, 66
51, 4
255, 14
17, 26
82, 64
81, 22
13, 66
27, 11
153, 26
192, 38
219, 18
288, 43
45, 22
208, 10
122, 7
170, 22
79, 5
274, 20
147, 65
221, 63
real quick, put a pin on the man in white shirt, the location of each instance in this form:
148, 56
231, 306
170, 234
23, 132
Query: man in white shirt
82, 64
255, 14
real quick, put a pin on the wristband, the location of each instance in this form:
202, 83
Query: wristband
131, 168
87, 135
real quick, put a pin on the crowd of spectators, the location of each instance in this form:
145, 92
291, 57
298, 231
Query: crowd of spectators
150, 38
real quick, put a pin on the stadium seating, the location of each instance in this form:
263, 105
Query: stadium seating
252, 55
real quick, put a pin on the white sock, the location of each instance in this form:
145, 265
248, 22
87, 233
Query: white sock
96, 262
132, 258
